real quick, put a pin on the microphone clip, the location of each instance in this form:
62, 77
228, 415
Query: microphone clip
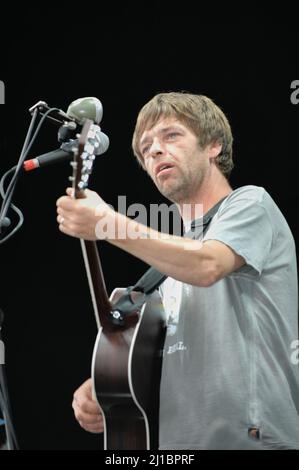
61, 116
68, 131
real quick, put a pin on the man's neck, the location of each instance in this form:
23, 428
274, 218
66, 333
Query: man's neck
208, 195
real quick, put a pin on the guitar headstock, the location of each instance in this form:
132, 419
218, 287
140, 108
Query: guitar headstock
84, 157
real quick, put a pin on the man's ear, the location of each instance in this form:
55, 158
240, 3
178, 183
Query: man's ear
214, 149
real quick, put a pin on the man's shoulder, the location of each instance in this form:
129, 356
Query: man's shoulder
250, 192
251, 201
250, 196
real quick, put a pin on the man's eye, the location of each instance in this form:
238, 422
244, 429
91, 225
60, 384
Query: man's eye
171, 135
145, 150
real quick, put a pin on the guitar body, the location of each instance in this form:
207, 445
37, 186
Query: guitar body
126, 369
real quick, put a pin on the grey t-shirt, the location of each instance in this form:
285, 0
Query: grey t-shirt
228, 362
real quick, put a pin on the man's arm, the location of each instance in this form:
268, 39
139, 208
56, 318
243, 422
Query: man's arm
190, 261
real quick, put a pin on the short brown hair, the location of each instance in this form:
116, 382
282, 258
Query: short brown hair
199, 113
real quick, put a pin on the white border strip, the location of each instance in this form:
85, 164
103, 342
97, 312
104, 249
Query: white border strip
93, 297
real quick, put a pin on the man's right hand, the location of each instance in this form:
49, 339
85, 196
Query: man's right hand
86, 409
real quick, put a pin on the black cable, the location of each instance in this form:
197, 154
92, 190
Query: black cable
10, 189
5, 402
13, 207
6, 204
11, 435
25, 150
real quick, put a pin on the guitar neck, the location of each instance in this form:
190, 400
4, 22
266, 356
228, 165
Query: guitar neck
100, 301
82, 166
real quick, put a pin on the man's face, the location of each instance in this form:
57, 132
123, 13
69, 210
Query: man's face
174, 159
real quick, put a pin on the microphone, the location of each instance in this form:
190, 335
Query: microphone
72, 121
85, 108
66, 152
59, 155
79, 110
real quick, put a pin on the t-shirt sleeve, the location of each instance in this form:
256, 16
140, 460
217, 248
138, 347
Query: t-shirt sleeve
243, 223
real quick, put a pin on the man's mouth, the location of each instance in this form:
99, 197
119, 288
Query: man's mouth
163, 169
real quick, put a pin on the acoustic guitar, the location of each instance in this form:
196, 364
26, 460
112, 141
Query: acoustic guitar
127, 357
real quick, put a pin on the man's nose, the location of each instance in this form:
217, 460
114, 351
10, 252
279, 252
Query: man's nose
156, 147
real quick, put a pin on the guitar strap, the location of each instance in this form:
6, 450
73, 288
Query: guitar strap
152, 278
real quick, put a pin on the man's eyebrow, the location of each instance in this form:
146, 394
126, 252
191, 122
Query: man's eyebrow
161, 131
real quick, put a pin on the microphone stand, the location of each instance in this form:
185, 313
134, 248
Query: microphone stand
4, 221
34, 110
18, 169
11, 439
42, 108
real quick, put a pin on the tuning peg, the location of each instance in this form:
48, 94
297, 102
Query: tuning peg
89, 148
84, 155
91, 133
86, 171
85, 178
88, 164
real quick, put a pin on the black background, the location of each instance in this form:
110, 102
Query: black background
246, 66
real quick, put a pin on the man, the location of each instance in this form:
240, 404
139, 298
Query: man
228, 381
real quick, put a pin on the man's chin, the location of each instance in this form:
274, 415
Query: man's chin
173, 195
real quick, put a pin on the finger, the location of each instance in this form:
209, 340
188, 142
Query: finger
87, 418
64, 200
92, 428
68, 216
71, 207
70, 192
67, 203
88, 406
67, 230
60, 219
